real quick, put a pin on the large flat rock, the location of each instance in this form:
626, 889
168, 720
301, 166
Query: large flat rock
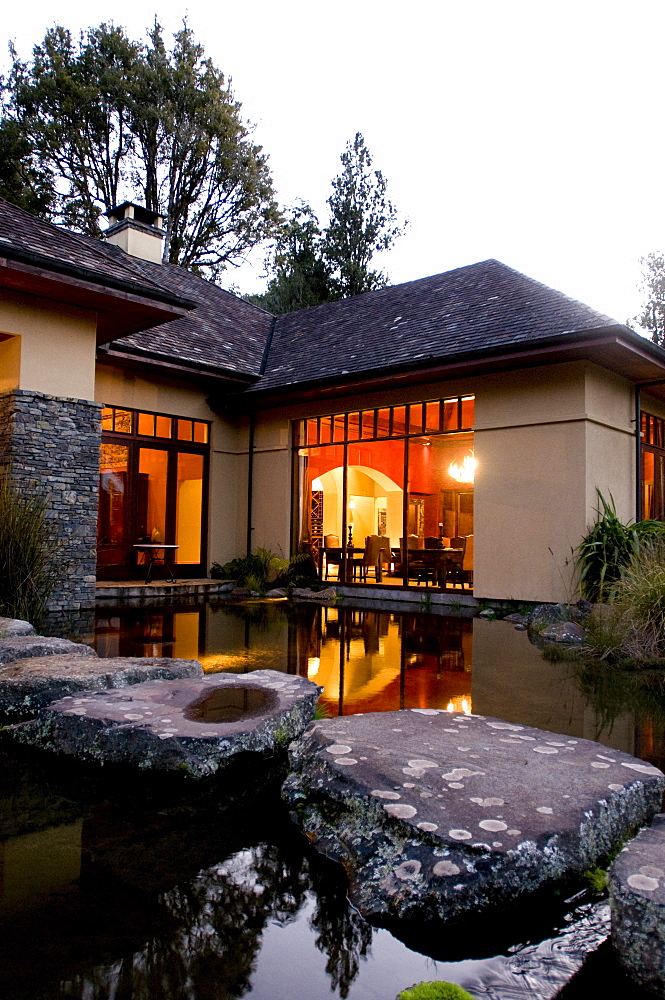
435, 814
19, 647
15, 626
637, 898
29, 684
191, 726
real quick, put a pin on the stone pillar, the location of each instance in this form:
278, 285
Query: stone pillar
54, 442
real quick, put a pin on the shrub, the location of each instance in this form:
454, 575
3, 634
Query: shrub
435, 991
632, 626
607, 549
28, 550
256, 571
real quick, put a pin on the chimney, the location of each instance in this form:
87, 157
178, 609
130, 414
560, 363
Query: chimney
136, 230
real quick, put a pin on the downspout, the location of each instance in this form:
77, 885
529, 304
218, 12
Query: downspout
250, 481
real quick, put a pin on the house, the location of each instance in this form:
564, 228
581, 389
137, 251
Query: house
476, 409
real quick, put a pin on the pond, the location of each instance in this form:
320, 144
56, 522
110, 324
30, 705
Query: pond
118, 891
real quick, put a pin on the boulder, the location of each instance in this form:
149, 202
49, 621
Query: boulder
190, 726
564, 632
440, 815
516, 618
18, 647
305, 594
15, 626
637, 901
30, 684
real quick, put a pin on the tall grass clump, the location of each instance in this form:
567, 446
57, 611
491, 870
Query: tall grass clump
632, 625
28, 551
604, 553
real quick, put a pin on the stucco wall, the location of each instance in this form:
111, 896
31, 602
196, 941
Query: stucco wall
228, 439
545, 438
57, 347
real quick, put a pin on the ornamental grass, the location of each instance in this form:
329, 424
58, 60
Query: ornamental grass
631, 626
28, 550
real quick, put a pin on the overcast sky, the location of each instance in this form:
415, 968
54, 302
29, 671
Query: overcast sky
524, 131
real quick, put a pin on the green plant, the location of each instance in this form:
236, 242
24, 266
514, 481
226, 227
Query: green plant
256, 571
606, 550
435, 991
322, 711
28, 550
597, 879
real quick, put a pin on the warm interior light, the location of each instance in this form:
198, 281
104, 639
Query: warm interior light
317, 485
465, 472
352, 504
313, 664
460, 704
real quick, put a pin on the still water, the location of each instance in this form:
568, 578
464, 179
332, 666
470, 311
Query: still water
118, 890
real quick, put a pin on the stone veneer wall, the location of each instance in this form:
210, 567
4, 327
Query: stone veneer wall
54, 441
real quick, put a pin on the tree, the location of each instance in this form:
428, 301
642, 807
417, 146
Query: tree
301, 274
308, 265
363, 222
652, 316
111, 119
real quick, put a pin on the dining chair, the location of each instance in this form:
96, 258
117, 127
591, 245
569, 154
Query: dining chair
333, 554
455, 562
370, 559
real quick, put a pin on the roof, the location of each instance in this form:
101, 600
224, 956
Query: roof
32, 241
223, 332
483, 307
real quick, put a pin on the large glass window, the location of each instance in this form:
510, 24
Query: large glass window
653, 467
153, 488
386, 495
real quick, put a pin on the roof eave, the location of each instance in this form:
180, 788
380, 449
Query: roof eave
617, 348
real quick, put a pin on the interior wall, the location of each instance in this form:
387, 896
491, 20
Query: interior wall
57, 347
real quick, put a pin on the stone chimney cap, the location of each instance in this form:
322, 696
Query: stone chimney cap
128, 210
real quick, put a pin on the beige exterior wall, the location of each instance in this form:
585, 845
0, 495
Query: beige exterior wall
545, 438
228, 457
51, 347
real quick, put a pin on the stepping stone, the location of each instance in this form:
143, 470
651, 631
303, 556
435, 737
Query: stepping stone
19, 647
637, 900
30, 684
15, 626
439, 815
191, 726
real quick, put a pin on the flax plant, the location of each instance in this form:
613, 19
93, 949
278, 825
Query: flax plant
28, 550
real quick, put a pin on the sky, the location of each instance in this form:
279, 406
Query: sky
513, 129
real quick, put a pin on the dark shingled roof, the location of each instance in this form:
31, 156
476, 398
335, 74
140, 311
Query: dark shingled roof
24, 237
482, 307
223, 332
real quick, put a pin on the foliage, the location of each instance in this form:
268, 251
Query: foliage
632, 626
255, 572
363, 222
322, 711
652, 316
28, 551
110, 119
435, 991
606, 549
308, 265
300, 572
301, 275
597, 879
21, 180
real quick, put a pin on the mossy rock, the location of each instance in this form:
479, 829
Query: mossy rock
435, 991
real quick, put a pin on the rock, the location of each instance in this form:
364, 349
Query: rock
191, 726
20, 646
305, 594
30, 684
564, 632
637, 901
516, 618
520, 628
276, 592
547, 614
14, 626
487, 613
439, 815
